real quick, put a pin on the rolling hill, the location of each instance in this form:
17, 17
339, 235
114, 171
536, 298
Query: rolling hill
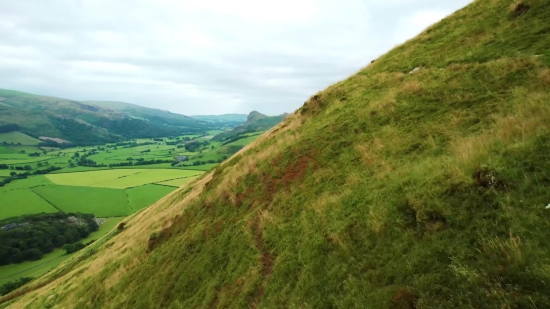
88, 122
394, 188
239, 118
255, 122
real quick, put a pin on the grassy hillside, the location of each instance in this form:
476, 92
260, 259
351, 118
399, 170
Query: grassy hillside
386, 190
18, 138
153, 115
87, 123
240, 118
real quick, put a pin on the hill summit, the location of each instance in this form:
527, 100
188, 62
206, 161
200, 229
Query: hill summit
386, 190
255, 122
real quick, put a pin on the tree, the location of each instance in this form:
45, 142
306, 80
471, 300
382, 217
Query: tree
121, 226
69, 248
13, 174
76, 155
39, 164
27, 167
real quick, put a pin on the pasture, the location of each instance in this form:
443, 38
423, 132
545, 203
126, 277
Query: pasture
143, 177
177, 182
146, 195
102, 202
18, 138
102, 190
89, 178
33, 181
22, 202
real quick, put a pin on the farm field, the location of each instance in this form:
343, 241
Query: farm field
118, 183
88, 178
147, 195
18, 137
102, 202
30, 182
34, 269
146, 177
21, 202
177, 182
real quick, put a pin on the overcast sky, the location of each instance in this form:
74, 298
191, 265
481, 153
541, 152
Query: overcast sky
200, 56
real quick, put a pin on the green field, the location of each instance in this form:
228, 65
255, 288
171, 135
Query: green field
176, 182
88, 178
5, 150
33, 181
12, 272
21, 202
18, 137
78, 169
147, 195
102, 202
146, 177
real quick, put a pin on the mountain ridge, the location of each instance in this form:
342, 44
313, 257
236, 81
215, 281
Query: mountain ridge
255, 122
90, 122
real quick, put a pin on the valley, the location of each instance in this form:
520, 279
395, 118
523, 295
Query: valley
109, 181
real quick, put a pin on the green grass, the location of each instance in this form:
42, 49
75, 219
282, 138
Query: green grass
102, 202
78, 169
204, 167
30, 182
22, 202
90, 177
177, 182
33, 269
105, 228
146, 177
146, 195
6, 150
18, 137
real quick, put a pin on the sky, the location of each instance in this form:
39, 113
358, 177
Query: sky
201, 57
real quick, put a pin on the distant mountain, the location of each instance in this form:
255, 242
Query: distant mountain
240, 118
255, 122
152, 115
89, 122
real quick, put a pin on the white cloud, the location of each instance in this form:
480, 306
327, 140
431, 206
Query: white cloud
195, 57
411, 25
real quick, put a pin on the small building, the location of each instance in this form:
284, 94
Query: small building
181, 158
9, 226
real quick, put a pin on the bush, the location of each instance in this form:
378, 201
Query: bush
12, 285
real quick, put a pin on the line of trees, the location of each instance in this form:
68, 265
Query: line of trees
14, 176
29, 237
139, 161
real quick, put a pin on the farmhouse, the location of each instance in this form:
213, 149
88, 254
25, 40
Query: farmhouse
181, 158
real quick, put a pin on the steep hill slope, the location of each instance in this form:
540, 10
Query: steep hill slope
386, 190
85, 123
255, 122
